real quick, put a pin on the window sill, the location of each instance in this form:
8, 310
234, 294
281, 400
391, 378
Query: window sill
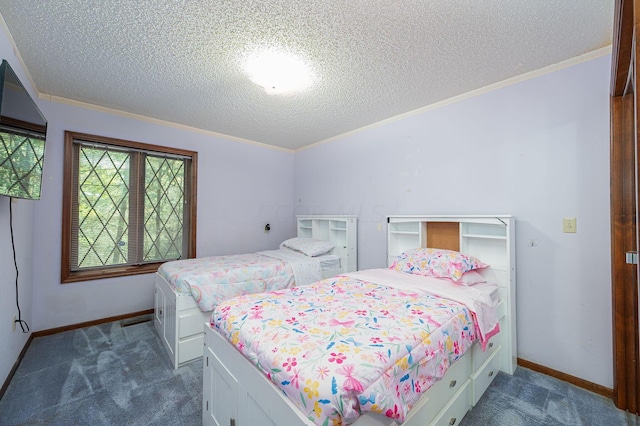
118, 271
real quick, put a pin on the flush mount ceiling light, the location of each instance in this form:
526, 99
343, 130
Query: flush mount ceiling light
279, 72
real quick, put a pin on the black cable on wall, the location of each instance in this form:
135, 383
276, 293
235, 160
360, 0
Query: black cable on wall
23, 324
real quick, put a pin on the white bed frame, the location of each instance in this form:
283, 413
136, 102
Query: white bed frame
236, 393
178, 319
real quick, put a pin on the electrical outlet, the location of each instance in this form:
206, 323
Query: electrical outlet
13, 323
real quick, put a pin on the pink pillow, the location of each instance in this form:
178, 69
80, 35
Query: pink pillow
436, 263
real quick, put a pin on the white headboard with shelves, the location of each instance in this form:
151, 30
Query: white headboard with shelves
490, 238
342, 230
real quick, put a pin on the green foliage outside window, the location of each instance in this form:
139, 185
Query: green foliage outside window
115, 229
163, 208
21, 160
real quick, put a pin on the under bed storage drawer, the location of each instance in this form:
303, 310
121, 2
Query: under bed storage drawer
191, 322
479, 357
482, 378
190, 348
455, 409
441, 392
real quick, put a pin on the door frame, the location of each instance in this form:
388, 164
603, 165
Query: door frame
624, 205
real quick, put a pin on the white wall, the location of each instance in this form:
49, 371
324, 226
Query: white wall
538, 150
12, 342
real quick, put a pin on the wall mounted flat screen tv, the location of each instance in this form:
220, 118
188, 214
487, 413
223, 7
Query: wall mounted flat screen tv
23, 131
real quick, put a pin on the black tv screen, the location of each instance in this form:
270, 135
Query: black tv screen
23, 131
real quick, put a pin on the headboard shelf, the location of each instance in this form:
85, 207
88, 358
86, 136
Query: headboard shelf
494, 237
470, 234
342, 230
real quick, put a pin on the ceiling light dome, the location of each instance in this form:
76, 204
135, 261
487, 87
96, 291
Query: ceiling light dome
279, 72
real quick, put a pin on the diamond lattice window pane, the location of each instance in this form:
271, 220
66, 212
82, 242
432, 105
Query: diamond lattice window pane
163, 208
103, 207
21, 160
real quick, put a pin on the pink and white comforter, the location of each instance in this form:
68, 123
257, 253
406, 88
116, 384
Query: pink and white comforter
344, 346
211, 280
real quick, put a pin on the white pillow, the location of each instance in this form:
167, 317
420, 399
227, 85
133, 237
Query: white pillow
309, 246
471, 278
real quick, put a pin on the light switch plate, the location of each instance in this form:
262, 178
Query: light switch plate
569, 225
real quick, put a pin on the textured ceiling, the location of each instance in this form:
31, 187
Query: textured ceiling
181, 61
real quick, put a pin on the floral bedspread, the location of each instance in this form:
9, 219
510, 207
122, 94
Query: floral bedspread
211, 280
336, 347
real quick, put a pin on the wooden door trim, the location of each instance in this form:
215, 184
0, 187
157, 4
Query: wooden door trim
624, 194
623, 238
622, 45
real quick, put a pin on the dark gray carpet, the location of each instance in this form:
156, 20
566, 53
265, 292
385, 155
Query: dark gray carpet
532, 399
102, 375
113, 375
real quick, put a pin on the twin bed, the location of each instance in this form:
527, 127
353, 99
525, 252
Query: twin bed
416, 343
187, 290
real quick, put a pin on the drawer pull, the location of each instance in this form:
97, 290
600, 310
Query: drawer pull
453, 383
232, 422
452, 421
490, 373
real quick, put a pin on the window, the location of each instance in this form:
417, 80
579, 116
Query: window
128, 207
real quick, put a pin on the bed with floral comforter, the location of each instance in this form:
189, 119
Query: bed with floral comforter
211, 280
346, 345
